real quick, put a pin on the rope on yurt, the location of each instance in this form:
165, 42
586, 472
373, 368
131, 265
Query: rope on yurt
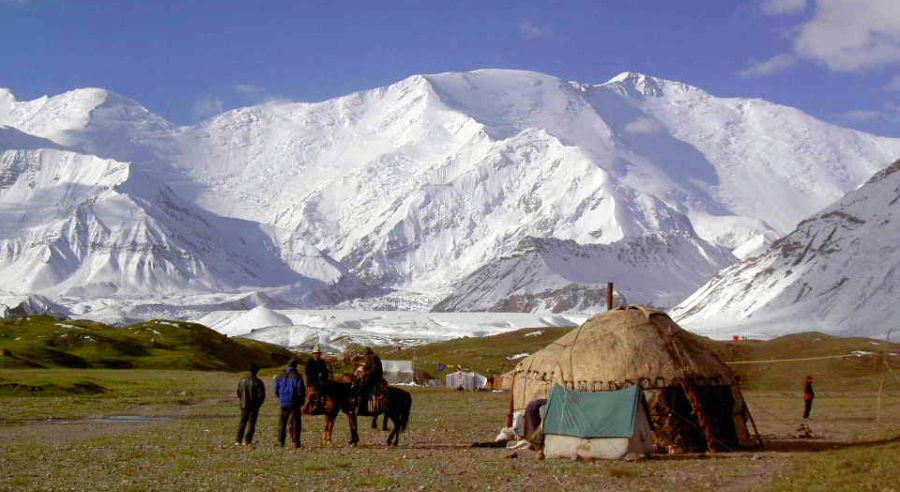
740, 362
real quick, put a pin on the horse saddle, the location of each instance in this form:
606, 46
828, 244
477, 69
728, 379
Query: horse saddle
315, 404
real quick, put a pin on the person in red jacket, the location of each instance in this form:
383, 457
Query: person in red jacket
808, 395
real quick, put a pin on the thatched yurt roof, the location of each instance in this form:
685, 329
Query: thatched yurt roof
615, 349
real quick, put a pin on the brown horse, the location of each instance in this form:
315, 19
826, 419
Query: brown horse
397, 407
338, 397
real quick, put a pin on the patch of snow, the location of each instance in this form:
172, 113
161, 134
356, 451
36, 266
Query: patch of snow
534, 333
167, 323
518, 356
258, 317
68, 326
861, 353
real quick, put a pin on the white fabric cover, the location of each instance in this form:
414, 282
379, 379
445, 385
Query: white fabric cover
608, 448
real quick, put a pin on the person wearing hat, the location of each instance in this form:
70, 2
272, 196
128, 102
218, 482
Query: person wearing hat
318, 372
251, 391
291, 393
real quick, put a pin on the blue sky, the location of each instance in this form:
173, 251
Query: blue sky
836, 59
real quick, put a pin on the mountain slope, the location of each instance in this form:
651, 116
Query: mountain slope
558, 276
78, 225
838, 272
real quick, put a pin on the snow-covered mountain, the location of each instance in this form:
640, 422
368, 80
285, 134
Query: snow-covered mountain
412, 187
838, 272
78, 225
559, 276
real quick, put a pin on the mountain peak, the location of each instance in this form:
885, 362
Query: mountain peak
639, 84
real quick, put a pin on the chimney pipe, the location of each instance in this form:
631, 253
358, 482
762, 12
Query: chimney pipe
609, 296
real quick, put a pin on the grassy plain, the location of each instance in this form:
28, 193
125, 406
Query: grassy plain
62, 428
187, 444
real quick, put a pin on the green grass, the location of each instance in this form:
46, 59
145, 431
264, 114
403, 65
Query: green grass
43, 341
490, 355
194, 451
865, 468
860, 373
487, 355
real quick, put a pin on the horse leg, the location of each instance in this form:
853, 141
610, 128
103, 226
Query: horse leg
396, 420
391, 435
384, 422
329, 426
354, 434
375, 422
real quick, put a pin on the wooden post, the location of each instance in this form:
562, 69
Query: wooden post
512, 407
881, 386
609, 296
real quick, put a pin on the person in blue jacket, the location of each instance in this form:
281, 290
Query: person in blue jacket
291, 393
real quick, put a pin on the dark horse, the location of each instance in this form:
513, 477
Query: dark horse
339, 398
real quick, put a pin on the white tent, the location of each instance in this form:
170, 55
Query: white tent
466, 380
398, 371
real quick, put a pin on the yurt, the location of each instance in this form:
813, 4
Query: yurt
693, 398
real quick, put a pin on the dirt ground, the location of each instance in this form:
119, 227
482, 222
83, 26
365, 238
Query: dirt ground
188, 444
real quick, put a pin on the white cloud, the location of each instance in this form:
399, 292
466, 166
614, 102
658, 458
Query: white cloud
208, 106
893, 85
255, 94
783, 7
643, 126
531, 30
862, 115
775, 64
250, 90
889, 112
851, 35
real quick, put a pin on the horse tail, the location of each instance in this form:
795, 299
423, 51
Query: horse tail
406, 407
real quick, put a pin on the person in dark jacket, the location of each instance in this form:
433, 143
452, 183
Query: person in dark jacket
291, 393
251, 391
372, 372
318, 372
808, 395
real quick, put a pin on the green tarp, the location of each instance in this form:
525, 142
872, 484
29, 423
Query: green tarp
589, 415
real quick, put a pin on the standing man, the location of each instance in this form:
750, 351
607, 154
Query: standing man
251, 391
808, 395
291, 393
318, 372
